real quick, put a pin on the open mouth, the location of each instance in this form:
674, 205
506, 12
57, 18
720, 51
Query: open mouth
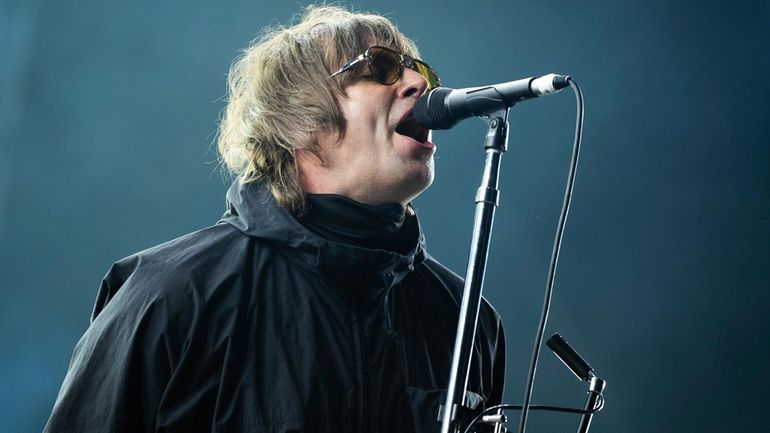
410, 128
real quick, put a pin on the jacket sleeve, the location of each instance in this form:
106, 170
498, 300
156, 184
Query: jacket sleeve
120, 366
493, 369
498, 367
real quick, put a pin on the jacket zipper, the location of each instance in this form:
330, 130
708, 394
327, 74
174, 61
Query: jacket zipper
360, 372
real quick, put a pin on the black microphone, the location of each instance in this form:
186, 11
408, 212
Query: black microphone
442, 108
570, 357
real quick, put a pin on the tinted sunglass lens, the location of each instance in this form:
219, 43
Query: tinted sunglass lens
428, 74
385, 66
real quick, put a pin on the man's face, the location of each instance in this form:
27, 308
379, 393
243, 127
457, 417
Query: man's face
384, 156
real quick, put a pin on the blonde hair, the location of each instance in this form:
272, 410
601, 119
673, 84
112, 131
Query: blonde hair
280, 94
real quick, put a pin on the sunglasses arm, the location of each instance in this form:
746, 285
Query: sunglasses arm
349, 65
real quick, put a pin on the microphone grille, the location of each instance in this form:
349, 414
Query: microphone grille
430, 111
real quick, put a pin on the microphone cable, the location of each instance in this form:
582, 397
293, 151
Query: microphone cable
525, 408
492, 409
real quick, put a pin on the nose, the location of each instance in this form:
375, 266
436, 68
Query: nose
412, 84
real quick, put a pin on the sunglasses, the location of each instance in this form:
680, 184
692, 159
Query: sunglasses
386, 66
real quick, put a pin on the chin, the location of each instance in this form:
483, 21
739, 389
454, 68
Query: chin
419, 183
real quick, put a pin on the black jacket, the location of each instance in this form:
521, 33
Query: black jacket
258, 325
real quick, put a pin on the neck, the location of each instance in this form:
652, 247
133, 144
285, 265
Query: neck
341, 219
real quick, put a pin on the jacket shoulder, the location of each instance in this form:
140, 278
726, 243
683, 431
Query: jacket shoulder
146, 311
448, 278
169, 269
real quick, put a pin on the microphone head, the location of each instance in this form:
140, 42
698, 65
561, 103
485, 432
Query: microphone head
431, 112
577, 365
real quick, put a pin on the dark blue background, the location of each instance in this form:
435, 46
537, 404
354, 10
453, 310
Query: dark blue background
108, 111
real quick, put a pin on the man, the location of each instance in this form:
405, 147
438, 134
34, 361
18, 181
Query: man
312, 306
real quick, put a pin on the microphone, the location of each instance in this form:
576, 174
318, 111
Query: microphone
570, 358
442, 107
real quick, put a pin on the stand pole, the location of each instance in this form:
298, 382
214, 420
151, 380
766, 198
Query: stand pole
595, 388
495, 143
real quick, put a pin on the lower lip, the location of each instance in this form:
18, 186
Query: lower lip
426, 144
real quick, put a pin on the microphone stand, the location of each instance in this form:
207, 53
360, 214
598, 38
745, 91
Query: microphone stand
583, 371
595, 388
453, 417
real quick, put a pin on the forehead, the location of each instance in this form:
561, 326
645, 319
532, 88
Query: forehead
399, 46
363, 40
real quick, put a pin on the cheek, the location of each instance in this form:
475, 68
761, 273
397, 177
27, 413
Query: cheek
361, 119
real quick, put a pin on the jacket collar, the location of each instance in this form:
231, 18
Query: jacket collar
252, 209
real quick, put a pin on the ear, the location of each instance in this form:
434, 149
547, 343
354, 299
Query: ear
310, 168
325, 140
313, 162
307, 158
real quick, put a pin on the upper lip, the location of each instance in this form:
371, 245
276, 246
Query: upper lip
405, 116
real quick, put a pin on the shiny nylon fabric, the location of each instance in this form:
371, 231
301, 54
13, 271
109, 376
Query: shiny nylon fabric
258, 325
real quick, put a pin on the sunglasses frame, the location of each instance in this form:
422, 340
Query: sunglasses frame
405, 61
